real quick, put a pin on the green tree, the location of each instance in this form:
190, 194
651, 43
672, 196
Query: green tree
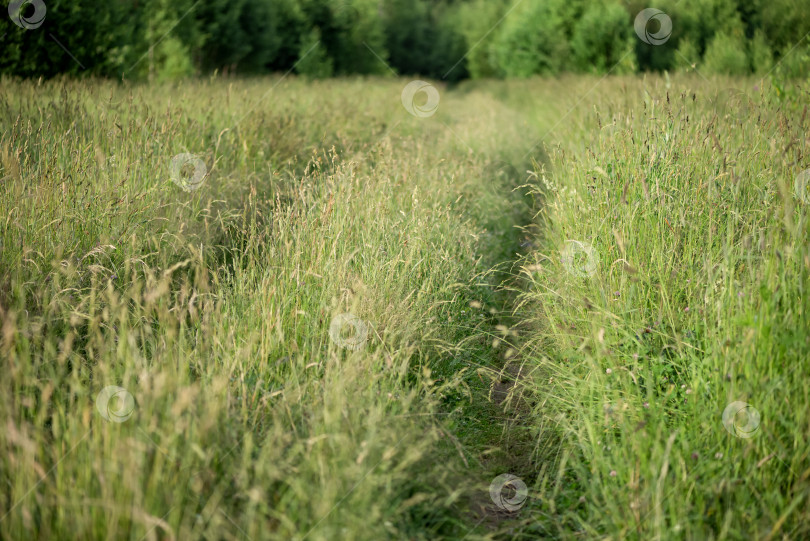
532, 41
602, 39
478, 22
760, 53
726, 54
359, 30
162, 47
74, 38
313, 60
225, 41
420, 39
784, 22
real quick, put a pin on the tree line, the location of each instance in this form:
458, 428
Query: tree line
441, 39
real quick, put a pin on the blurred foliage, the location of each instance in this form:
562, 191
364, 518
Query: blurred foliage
441, 39
533, 41
603, 39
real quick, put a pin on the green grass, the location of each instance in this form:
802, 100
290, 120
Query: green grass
212, 308
697, 298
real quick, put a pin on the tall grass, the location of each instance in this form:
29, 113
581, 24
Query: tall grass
670, 282
457, 249
213, 308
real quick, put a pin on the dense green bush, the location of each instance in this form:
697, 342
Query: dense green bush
476, 20
602, 39
532, 41
686, 56
442, 39
760, 53
419, 41
794, 62
726, 54
360, 31
314, 60
784, 22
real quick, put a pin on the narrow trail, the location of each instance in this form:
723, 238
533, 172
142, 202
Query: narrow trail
495, 439
346, 333
289, 432
509, 449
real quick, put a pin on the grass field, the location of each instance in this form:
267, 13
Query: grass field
287, 309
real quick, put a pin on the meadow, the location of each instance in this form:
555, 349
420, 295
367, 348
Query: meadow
281, 308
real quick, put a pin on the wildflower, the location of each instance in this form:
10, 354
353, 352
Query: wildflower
718, 455
695, 456
608, 371
613, 473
